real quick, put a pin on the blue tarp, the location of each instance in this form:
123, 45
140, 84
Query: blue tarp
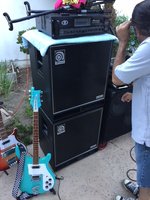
42, 41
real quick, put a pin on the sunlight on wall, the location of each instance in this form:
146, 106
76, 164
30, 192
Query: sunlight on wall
125, 6
16, 9
8, 47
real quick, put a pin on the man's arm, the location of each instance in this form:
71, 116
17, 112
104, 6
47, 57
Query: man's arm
123, 35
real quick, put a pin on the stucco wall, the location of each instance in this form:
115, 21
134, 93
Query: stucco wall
9, 50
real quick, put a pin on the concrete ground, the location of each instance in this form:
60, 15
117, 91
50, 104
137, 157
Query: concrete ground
95, 177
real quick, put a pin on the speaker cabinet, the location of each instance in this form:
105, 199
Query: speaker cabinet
117, 114
70, 139
71, 75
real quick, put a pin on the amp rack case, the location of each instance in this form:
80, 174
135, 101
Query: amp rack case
66, 25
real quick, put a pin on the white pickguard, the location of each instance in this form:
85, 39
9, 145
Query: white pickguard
9, 141
48, 181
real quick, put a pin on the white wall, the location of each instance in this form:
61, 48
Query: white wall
9, 50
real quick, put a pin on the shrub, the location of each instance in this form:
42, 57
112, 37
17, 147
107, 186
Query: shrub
19, 40
5, 82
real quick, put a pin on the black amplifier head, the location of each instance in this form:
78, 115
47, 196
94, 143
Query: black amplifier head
65, 25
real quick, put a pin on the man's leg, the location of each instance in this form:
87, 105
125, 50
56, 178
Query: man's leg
144, 194
142, 153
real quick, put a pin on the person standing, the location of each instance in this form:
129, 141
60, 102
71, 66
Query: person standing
136, 71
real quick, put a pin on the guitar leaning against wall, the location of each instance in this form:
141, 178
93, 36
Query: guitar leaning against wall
8, 144
37, 177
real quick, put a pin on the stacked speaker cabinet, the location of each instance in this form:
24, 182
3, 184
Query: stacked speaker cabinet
116, 119
70, 138
73, 78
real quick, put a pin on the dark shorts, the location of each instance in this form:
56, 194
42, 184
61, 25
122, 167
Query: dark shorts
142, 153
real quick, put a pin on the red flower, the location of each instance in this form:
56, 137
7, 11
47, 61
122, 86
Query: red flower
60, 4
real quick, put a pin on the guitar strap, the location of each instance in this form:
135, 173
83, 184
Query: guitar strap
15, 191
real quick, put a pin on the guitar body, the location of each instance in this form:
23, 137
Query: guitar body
39, 178
8, 156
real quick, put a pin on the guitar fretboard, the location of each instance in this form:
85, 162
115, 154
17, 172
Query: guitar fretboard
35, 138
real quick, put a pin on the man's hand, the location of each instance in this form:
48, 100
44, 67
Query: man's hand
126, 97
123, 32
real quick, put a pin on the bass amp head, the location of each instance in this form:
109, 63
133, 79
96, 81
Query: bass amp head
65, 25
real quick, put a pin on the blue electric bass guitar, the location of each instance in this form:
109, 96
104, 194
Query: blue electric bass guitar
37, 177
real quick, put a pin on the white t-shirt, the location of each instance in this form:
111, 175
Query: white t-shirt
137, 70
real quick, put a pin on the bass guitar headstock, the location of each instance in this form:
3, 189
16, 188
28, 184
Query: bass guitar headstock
35, 99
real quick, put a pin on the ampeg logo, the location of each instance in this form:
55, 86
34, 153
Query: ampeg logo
61, 129
59, 57
64, 22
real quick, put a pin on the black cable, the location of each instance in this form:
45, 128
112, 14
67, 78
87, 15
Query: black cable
131, 154
131, 170
129, 177
59, 179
